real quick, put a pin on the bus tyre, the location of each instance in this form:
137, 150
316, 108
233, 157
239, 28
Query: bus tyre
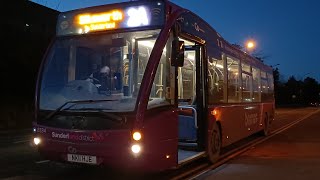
214, 147
266, 129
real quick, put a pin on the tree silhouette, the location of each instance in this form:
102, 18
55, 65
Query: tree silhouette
293, 88
238, 46
310, 90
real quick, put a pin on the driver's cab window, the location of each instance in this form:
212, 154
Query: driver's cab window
187, 76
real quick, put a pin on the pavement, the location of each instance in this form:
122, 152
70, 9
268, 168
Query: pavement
15, 131
15, 136
293, 154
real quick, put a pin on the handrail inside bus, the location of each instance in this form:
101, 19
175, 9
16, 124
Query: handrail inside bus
194, 111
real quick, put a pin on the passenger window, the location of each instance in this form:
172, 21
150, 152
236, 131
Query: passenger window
264, 86
246, 83
270, 87
233, 80
215, 80
256, 84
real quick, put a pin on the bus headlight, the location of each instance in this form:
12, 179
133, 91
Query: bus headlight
136, 148
136, 136
36, 141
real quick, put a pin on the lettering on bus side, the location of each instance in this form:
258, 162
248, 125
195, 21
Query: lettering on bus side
94, 137
250, 119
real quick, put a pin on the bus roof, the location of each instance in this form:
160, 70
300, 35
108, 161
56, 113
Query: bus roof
224, 45
137, 14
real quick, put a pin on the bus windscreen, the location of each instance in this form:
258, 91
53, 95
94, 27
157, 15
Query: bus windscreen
104, 67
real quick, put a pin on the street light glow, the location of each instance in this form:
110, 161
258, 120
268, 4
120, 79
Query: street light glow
250, 44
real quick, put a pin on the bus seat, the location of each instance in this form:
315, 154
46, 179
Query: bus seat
187, 129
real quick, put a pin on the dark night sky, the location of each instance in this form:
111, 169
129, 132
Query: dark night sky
287, 32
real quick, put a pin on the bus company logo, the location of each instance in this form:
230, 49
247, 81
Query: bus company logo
251, 119
72, 150
94, 137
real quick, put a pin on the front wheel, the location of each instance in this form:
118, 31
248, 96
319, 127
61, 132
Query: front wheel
214, 147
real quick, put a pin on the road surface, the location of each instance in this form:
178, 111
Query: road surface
292, 154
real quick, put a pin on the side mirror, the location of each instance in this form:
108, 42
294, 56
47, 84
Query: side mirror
177, 53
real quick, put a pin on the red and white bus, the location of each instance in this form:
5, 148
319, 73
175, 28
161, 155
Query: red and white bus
148, 85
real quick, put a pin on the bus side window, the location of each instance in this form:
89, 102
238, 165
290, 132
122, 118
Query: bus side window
270, 87
233, 80
256, 85
264, 86
246, 83
216, 80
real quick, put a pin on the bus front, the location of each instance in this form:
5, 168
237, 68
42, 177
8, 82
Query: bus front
89, 82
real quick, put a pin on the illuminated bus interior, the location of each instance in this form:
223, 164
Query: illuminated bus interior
97, 67
229, 81
187, 105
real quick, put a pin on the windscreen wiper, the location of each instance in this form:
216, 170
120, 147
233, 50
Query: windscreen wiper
113, 117
104, 113
74, 103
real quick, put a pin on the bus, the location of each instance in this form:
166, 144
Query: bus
145, 85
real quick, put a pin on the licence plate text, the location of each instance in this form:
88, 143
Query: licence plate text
82, 158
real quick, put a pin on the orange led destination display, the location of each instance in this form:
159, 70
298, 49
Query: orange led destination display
105, 17
101, 21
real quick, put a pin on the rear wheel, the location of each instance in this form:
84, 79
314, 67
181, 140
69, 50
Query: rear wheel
266, 128
214, 147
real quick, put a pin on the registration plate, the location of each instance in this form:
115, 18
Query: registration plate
82, 158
